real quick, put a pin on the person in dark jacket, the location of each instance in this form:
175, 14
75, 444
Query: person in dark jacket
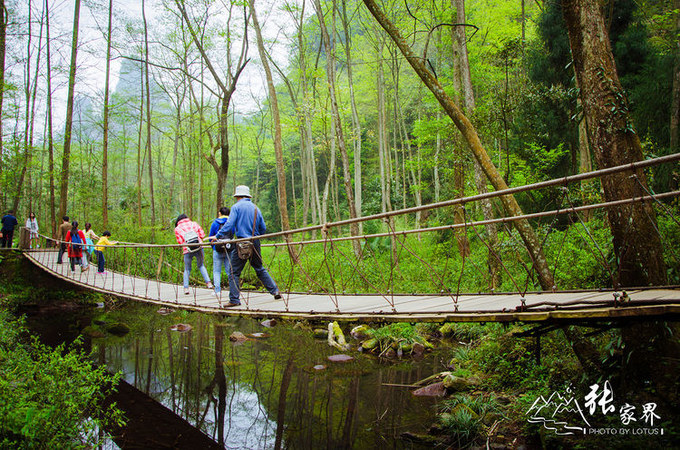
63, 230
245, 220
8, 224
220, 251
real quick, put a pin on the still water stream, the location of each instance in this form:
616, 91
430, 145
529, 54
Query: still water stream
265, 392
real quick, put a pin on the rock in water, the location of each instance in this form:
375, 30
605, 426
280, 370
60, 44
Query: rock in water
237, 336
370, 344
269, 323
454, 383
340, 358
418, 349
432, 390
181, 327
319, 367
360, 332
320, 333
118, 329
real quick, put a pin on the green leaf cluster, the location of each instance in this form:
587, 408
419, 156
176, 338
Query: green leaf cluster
50, 398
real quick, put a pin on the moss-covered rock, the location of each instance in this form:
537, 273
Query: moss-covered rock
320, 333
453, 383
117, 329
370, 344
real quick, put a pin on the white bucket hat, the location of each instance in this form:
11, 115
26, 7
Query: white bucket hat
242, 191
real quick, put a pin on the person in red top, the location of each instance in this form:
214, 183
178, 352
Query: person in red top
191, 233
76, 241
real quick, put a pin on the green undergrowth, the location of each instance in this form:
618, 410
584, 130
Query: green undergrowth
509, 368
23, 285
49, 397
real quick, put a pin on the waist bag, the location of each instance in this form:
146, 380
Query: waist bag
245, 249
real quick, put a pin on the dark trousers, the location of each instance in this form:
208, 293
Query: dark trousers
75, 260
62, 250
100, 260
237, 265
6, 241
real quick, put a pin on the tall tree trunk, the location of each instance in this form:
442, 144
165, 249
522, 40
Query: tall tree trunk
105, 143
27, 117
356, 123
614, 142
139, 147
66, 157
468, 100
148, 114
383, 142
459, 159
584, 161
4, 17
337, 126
50, 134
675, 99
330, 138
465, 126
278, 144
227, 89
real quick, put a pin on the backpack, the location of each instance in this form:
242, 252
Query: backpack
76, 242
192, 241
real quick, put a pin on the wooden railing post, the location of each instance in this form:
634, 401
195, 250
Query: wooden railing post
24, 238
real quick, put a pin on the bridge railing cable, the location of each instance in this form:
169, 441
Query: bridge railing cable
386, 260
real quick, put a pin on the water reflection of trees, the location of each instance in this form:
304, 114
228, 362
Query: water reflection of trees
264, 393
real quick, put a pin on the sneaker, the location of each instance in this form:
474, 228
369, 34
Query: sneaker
210, 286
277, 296
231, 305
186, 291
85, 269
102, 273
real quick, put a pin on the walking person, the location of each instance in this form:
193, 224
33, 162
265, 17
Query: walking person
76, 240
191, 233
8, 224
220, 251
62, 231
99, 250
90, 237
32, 227
245, 220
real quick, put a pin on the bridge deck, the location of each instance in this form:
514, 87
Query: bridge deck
567, 306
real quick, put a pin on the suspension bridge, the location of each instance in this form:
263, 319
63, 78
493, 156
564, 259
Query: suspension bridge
145, 272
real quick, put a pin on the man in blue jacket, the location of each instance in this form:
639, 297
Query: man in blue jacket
220, 251
8, 224
245, 220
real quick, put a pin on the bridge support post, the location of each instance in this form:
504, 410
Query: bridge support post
537, 349
24, 238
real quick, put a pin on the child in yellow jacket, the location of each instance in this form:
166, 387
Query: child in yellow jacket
99, 250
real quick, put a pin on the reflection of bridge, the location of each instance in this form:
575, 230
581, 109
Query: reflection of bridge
141, 272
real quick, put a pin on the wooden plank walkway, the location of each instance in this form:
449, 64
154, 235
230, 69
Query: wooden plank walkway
564, 306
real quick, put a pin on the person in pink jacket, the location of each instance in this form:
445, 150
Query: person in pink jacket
191, 234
